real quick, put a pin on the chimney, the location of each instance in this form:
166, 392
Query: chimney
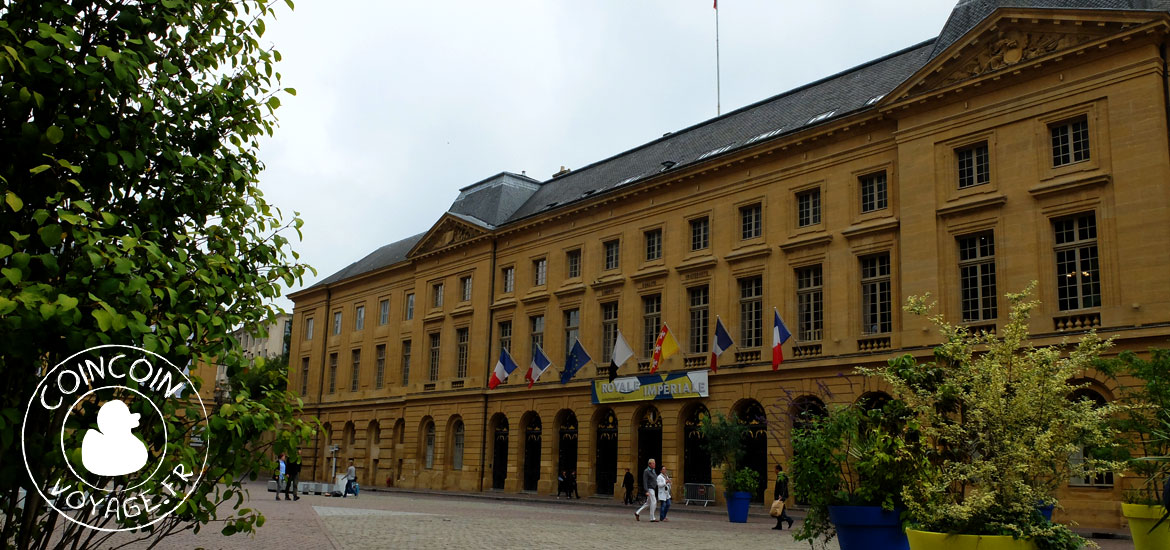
562, 172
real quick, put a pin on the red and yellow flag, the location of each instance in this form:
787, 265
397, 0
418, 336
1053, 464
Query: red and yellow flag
664, 347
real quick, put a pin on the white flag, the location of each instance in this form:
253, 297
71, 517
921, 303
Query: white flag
621, 350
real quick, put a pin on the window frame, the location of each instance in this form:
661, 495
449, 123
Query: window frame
810, 303
983, 311
872, 285
751, 330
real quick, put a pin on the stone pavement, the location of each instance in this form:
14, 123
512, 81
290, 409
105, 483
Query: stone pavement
400, 519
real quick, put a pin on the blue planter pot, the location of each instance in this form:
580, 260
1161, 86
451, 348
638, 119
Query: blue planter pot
868, 527
737, 506
1046, 511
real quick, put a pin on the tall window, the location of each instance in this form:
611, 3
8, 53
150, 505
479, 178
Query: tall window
433, 374
573, 263
808, 207
336, 322
537, 323
700, 233
430, 446
405, 362
384, 312
305, 376
613, 252
609, 322
465, 289
1070, 141
309, 328
506, 336
751, 312
750, 221
355, 374
437, 295
651, 321
699, 300
359, 318
461, 339
457, 455
332, 372
809, 303
874, 195
974, 167
653, 244
509, 279
1078, 276
380, 366
410, 306
539, 272
977, 294
572, 328
876, 312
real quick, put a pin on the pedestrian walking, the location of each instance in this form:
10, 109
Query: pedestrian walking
562, 484
780, 493
650, 485
281, 466
628, 485
664, 492
292, 470
350, 479
572, 485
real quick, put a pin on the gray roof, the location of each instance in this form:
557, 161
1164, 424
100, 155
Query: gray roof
491, 202
387, 255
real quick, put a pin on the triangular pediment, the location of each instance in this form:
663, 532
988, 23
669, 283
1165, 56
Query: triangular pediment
1009, 39
449, 231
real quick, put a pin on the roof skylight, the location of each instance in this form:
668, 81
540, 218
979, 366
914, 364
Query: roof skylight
766, 135
821, 117
714, 152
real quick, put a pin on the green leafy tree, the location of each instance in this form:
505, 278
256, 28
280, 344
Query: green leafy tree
1142, 426
724, 438
130, 214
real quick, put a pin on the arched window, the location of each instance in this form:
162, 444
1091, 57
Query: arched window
457, 455
430, 446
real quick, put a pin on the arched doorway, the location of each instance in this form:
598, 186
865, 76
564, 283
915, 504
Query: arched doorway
499, 451
398, 440
751, 413
567, 444
373, 442
348, 438
326, 454
607, 446
532, 443
696, 459
649, 441
805, 409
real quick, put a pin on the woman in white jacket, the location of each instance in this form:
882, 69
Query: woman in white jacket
663, 493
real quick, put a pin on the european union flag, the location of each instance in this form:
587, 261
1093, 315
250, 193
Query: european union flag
577, 358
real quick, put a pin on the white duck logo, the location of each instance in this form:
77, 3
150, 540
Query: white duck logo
112, 449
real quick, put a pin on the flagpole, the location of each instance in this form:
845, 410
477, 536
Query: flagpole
718, 90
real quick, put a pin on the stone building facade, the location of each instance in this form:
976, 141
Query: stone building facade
1028, 142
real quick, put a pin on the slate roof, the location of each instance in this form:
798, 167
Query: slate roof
387, 255
490, 202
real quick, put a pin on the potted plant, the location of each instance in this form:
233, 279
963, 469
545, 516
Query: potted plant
850, 468
997, 429
1144, 443
724, 437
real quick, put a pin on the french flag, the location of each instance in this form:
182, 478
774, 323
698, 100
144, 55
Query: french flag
720, 344
504, 367
780, 335
539, 364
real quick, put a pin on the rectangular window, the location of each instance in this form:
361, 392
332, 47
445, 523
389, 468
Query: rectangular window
613, 251
699, 300
700, 233
506, 336
539, 272
359, 318
305, 376
651, 322
750, 222
405, 362
573, 263
537, 324
356, 372
1078, 275
336, 322
572, 328
874, 195
465, 289
410, 306
808, 207
609, 321
751, 312
380, 366
433, 373
809, 304
977, 294
332, 372
384, 312
462, 336
1070, 141
309, 328
876, 311
653, 244
974, 167
437, 295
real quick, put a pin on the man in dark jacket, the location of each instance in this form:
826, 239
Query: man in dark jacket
291, 472
628, 485
781, 493
650, 485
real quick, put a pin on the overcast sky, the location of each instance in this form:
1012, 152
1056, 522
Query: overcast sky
400, 104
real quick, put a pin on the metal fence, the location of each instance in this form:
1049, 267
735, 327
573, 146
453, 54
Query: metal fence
699, 492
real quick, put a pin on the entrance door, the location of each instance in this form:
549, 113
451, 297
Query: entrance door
500, 455
649, 442
756, 446
532, 440
696, 459
607, 445
567, 459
